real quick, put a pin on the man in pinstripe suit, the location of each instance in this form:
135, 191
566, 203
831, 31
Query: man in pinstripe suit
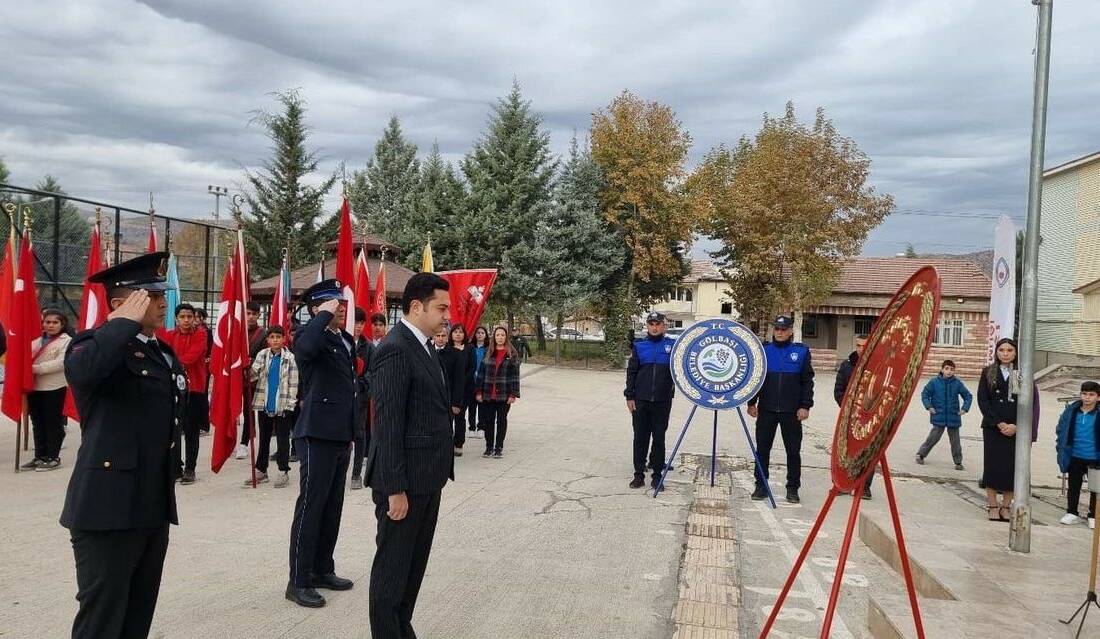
411, 455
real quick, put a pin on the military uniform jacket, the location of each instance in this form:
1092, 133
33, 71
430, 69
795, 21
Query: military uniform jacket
327, 381
131, 404
411, 446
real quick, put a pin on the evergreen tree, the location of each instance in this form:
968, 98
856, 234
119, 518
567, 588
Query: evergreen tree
910, 251
283, 210
587, 252
4, 174
509, 172
438, 214
386, 191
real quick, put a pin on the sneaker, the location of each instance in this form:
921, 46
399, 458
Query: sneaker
242, 451
638, 481
51, 464
261, 478
656, 480
1069, 519
920, 460
357, 483
458, 451
960, 467
188, 477
792, 496
498, 453
282, 479
759, 494
488, 452
866, 493
31, 465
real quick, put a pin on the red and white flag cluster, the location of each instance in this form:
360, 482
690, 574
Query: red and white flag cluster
23, 325
93, 303
229, 358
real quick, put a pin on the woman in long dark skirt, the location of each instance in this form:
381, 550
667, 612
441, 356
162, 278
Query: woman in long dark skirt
997, 393
453, 356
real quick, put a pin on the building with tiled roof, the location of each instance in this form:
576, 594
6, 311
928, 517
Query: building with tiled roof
700, 295
866, 285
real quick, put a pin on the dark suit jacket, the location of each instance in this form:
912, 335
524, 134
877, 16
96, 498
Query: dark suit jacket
454, 364
326, 382
411, 448
131, 405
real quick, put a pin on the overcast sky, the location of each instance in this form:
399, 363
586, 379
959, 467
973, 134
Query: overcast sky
117, 98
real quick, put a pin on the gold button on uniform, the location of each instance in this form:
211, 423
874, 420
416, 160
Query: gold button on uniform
144, 372
106, 464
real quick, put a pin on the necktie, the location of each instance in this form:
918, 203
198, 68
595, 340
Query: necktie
154, 345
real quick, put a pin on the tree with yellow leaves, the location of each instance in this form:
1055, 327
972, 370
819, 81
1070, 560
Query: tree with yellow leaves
788, 205
640, 149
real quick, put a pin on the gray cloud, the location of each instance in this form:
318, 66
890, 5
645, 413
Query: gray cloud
117, 98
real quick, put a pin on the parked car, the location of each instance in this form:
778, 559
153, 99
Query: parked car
575, 335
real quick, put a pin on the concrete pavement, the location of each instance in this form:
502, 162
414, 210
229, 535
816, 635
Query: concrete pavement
546, 542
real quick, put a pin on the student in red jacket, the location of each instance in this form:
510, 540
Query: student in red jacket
188, 341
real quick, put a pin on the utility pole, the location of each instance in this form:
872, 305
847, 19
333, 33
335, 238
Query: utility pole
1019, 535
218, 192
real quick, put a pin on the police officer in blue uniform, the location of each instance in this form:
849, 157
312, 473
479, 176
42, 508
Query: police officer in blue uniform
783, 403
131, 392
649, 391
325, 353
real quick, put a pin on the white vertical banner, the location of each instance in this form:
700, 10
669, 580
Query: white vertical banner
1002, 298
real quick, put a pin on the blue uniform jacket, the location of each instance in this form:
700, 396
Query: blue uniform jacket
648, 375
327, 381
789, 384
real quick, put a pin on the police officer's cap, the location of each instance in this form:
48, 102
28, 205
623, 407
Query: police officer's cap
144, 271
655, 316
323, 291
783, 322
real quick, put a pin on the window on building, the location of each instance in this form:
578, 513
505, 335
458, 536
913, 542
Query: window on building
949, 333
727, 308
687, 294
809, 326
863, 325
678, 324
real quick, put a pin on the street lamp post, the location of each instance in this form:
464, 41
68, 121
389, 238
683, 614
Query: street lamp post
1019, 535
218, 192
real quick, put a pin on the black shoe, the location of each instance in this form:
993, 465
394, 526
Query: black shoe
488, 452
272, 457
498, 453
293, 458
473, 429
792, 496
32, 464
332, 582
866, 493
638, 481
307, 597
188, 477
655, 482
759, 494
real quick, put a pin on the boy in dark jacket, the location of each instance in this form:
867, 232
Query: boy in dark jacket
843, 378
649, 391
1078, 446
364, 349
941, 399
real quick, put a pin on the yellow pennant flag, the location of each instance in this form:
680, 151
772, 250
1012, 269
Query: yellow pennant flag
427, 264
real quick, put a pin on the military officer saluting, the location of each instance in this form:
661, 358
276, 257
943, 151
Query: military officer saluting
131, 393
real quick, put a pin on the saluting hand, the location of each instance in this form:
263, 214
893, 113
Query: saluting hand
399, 506
330, 305
133, 307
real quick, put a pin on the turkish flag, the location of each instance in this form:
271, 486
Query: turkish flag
380, 304
152, 247
362, 292
469, 295
345, 262
93, 305
25, 325
7, 279
280, 315
229, 359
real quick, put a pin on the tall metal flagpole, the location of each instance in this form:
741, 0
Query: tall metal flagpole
1019, 536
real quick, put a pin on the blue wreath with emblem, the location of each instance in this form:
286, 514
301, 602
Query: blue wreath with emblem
718, 364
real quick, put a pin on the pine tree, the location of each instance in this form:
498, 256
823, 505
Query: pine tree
438, 214
283, 210
587, 251
385, 192
509, 172
910, 251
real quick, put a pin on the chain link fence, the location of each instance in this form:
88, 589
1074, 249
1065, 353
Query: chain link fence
61, 228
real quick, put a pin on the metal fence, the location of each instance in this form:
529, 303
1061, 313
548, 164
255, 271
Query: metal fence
61, 227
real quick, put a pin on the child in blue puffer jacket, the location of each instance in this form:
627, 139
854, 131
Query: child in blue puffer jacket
1078, 447
941, 399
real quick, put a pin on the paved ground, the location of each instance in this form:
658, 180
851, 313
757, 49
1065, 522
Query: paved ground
547, 542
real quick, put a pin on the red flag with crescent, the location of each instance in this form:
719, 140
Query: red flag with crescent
469, 294
93, 305
229, 359
25, 324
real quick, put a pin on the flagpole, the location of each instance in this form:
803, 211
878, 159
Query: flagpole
25, 416
249, 414
19, 429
